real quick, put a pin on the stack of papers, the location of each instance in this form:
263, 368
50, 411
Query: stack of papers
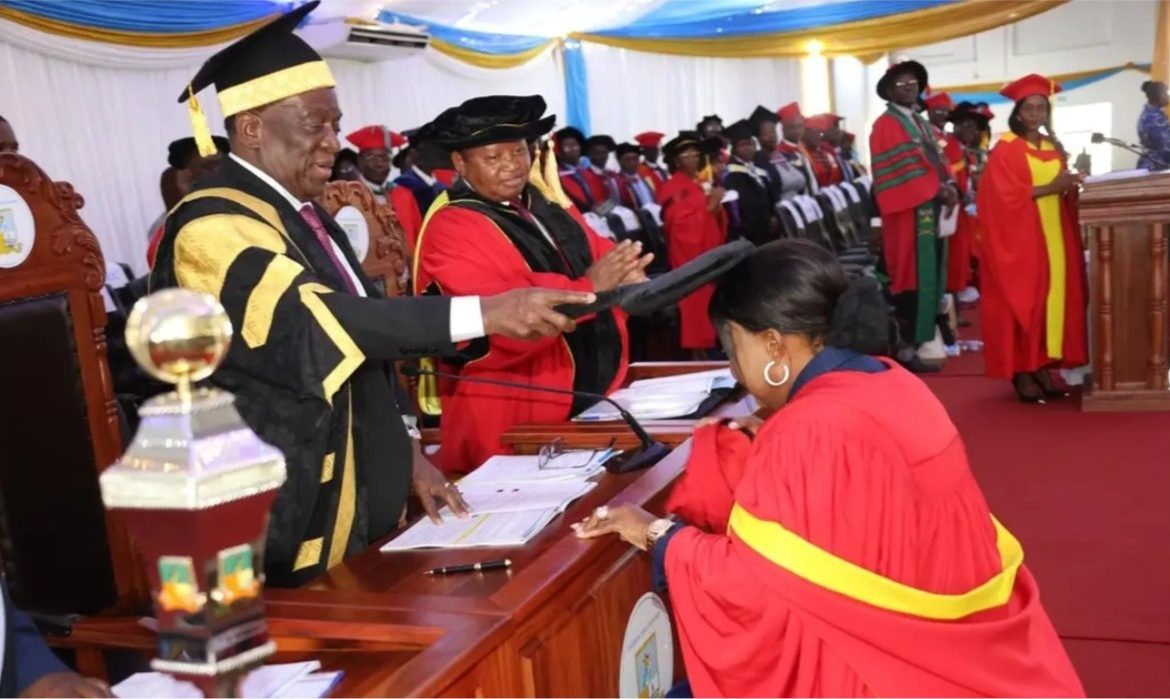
287, 681
511, 498
664, 397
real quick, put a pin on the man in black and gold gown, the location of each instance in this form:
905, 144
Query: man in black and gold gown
311, 363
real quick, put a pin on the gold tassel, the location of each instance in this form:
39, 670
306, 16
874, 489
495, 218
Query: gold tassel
199, 127
552, 176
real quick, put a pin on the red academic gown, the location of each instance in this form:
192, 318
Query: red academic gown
825, 165
691, 231
653, 174
852, 483
626, 190
959, 246
598, 185
1014, 266
409, 217
465, 254
903, 180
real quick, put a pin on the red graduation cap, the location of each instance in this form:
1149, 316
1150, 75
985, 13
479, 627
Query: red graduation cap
820, 122
1031, 84
788, 111
376, 137
939, 100
649, 139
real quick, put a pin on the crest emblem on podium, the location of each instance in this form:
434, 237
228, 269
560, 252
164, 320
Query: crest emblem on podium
17, 229
649, 681
178, 586
236, 578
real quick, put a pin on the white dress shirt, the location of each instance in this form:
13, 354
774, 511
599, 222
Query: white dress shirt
466, 313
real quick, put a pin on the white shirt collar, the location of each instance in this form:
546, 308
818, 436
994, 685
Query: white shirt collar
267, 179
424, 176
904, 110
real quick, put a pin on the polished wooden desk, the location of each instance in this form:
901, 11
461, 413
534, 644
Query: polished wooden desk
564, 603
528, 439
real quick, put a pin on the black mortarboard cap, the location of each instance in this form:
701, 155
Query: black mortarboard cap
484, 120
180, 150
762, 115
667, 289
741, 130
627, 148
266, 66
968, 110
601, 140
709, 119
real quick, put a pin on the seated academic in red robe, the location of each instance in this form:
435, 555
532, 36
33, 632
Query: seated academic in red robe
968, 123
694, 223
495, 230
822, 154
650, 141
1032, 263
860, 557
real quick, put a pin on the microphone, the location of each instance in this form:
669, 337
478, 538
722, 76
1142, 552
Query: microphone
648, 453
1132, 148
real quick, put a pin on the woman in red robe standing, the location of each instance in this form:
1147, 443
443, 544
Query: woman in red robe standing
1032, 264
693, 218
859, 556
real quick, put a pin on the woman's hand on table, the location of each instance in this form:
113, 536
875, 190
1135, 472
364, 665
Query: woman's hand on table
630, 522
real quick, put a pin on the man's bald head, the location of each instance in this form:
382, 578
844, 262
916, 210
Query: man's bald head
8, 143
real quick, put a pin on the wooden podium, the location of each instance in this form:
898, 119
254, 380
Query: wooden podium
1125, 222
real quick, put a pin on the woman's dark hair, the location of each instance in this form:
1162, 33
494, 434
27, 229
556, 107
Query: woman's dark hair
794, 286
1150, 87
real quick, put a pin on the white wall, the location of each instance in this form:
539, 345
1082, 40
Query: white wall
1081, 35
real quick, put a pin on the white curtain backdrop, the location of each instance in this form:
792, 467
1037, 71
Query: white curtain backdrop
100, 116
631, 91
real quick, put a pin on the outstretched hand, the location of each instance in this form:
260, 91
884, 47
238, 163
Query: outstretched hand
528, 314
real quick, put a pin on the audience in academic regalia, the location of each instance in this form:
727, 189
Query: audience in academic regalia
710, 125
691, 214
758, 221
787, 179
791, 146
374, 144
650, 142
821, 154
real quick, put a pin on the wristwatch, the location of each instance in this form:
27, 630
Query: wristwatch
657, 530
411, 424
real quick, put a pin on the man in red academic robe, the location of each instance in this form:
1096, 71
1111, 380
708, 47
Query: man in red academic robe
375, 143
650, 142
791, 146
912, 185
961, 155
822, 154
495, 231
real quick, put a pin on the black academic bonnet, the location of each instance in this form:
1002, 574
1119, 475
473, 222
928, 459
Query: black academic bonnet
181, 149
968, 110
887, 81
628, 148
681, 142
601, 140
485, 120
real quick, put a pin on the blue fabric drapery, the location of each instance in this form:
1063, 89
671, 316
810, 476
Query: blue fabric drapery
576, 87
151, 16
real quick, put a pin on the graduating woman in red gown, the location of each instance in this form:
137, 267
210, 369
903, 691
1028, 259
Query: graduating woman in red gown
1033, 261
694, 222
859, 557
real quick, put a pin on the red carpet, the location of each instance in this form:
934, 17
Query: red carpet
1088, 495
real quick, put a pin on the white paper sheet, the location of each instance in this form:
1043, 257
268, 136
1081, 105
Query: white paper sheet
282, 680
519, 497
500, 529
504, 468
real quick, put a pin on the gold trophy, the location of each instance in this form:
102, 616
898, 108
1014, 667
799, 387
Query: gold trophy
195, 488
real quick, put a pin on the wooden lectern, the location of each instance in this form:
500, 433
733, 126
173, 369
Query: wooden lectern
1126, 222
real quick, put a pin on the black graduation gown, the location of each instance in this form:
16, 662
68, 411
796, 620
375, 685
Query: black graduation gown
310, 364
755, 203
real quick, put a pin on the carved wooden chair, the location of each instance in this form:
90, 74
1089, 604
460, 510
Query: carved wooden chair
63, 554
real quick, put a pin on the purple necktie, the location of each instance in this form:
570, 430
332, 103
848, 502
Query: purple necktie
310, 215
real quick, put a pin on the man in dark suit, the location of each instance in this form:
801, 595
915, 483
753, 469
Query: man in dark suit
312, 364
30, 669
